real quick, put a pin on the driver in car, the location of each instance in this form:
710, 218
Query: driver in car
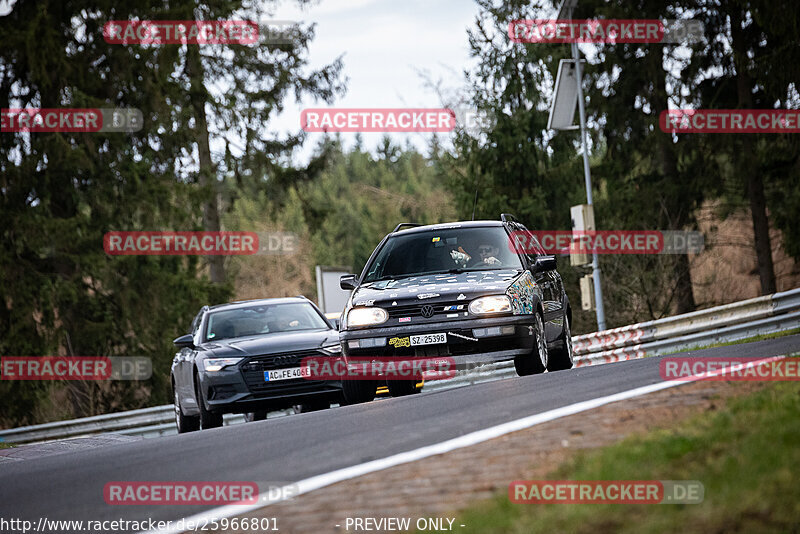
285, 322
488, 254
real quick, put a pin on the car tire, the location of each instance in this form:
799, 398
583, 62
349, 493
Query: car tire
401, 388
562, 358
185, 423
313, 406
208, 419
534, 362
358, 391
255, 416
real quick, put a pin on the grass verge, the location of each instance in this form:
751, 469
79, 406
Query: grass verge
761, 337
745, 455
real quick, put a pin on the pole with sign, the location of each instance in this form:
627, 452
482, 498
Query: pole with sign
568, 91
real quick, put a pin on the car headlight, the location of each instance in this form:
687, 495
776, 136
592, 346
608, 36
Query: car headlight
215, 364
493, 304
332, 349
366, 316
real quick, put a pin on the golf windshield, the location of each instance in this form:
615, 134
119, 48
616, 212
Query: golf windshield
441, 251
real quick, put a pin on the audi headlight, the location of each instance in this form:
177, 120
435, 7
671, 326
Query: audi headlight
332, 349
366, 316
216, 364
493, 304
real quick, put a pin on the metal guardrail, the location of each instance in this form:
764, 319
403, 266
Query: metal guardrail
732, 322
146, 422
689, 323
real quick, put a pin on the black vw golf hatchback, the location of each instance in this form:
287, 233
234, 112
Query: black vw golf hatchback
462, 290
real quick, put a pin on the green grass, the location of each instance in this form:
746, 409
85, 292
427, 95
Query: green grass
746, 455
761, 337
6, 445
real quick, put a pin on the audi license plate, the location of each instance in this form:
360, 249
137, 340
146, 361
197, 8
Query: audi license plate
287, 374
428, 339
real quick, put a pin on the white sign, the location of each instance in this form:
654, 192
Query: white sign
331, 297
565, 100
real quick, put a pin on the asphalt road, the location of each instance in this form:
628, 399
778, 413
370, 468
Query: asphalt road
70, 486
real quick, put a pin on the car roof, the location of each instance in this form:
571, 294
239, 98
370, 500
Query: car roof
256, 302
444, 226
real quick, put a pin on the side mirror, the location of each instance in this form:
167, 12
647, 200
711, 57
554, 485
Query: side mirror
347, 281
546, 263
185, 341
336, 323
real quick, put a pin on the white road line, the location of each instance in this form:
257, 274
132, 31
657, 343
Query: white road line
320, 481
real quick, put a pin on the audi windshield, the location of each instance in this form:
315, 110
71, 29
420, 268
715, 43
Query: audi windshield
257, 320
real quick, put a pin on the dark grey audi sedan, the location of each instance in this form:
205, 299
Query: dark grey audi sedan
245, 357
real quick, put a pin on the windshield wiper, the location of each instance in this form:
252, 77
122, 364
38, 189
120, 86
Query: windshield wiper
391, 277
455, 270
460, 270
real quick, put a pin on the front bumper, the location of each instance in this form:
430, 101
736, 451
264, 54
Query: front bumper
463, 345
239, 390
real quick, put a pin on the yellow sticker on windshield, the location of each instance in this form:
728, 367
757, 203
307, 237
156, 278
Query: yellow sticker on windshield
435, 239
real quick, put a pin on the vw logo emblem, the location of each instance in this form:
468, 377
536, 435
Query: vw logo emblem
427, 311
284, 360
